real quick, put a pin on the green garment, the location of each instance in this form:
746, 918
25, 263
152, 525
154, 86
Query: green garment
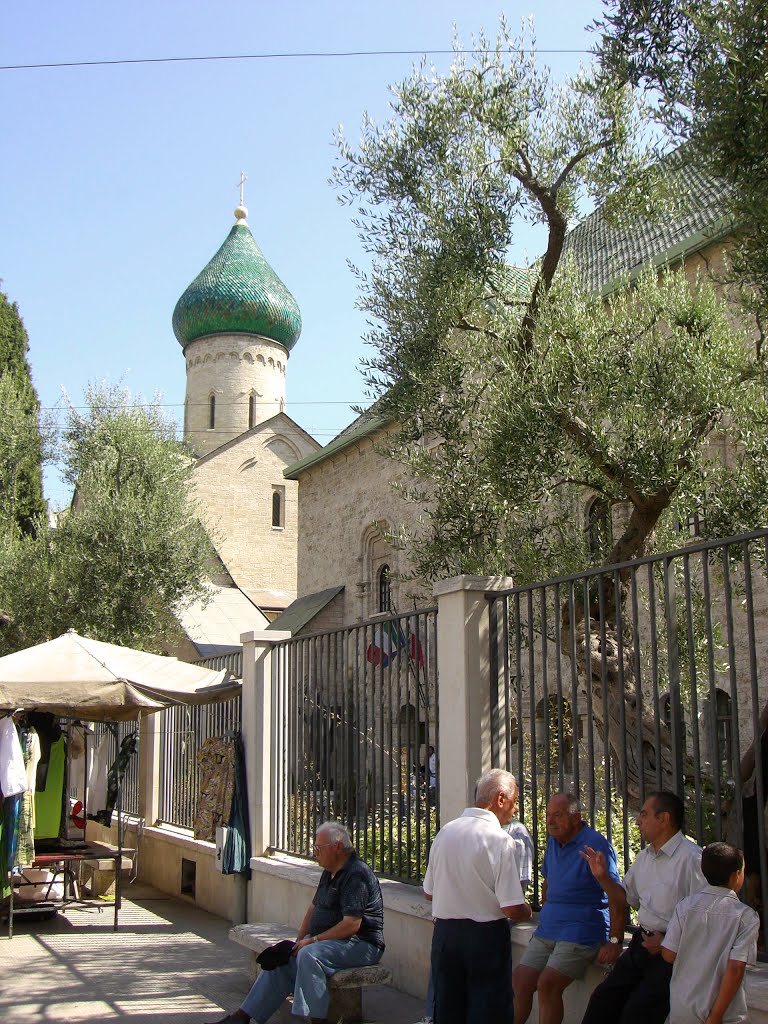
48, 801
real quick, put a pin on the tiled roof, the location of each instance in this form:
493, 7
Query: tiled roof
604, 252
367, 423
215, 627
238, 293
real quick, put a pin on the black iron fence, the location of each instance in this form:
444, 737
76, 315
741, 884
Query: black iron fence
355, 738
183, 730
636, 677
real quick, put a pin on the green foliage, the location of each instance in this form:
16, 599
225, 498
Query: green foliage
705, 62
131, 548
526, 391
23, 440
397, 846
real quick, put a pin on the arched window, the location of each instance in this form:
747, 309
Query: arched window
599, 528
385, 589
211, 412
251, 411
277, 508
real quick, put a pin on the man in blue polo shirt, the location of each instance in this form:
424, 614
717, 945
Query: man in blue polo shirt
581, 920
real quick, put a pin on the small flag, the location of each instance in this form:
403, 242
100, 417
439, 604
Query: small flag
415, 650
386, 645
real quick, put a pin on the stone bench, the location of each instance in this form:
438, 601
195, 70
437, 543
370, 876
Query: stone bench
99, 874
345, 986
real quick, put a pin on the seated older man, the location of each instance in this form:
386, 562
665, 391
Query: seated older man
343, 927
577, 910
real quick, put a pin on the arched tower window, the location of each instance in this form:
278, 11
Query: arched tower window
278, 508
251, 411
599, 528
211, 412
385, 589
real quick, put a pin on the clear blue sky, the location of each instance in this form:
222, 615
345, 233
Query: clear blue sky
117, 184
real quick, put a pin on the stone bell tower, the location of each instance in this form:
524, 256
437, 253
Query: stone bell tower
236, 323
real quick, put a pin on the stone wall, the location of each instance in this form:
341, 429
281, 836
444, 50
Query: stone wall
347, 505
235, 487
231, 368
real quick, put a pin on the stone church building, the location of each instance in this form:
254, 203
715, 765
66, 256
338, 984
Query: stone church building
237, 324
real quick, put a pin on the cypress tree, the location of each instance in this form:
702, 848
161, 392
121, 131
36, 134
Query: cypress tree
14, 345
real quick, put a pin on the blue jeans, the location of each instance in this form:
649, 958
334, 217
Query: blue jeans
306, 976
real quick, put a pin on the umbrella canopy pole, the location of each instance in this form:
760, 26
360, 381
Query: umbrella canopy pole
113, 728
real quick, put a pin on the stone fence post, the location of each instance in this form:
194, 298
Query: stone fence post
257, 730
149, 767
464, 705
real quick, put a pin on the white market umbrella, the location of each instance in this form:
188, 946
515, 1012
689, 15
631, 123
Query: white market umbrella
96, 681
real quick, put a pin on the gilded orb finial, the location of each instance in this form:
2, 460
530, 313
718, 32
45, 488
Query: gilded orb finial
241, 212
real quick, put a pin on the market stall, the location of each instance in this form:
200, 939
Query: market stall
85, 680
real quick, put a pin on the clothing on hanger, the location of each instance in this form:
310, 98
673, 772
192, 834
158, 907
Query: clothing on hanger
30, 743
49, 801
97, 777
13, 775
216, 765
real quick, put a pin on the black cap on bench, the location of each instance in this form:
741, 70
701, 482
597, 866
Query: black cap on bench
275, 956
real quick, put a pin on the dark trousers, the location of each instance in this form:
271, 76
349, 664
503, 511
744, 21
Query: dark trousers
635, 992
472, 971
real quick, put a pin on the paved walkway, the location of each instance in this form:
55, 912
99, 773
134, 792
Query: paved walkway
169, 963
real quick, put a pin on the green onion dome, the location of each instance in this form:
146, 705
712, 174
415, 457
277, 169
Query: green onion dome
238, 293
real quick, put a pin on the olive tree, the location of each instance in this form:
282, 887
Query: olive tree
531, 391
131, 548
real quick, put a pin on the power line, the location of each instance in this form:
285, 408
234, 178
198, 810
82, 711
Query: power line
298, 55
194, 405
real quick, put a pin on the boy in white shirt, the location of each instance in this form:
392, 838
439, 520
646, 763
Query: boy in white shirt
711, 938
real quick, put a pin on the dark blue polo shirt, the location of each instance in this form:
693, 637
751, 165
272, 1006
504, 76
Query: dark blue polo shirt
576, 908
352, 892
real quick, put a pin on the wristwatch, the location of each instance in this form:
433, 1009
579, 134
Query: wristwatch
615, 941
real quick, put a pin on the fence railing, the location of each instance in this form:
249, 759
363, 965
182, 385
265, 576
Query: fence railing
636, 677
129, 787
232, 661
183, 730
355, 738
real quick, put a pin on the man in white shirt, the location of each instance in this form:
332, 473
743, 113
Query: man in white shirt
666, 871
473, 881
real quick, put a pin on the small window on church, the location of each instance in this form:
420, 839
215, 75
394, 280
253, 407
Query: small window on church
278, 508
251, 411
211, 412
385, 589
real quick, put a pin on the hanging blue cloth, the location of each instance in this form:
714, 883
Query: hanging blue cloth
236, 855
9, 839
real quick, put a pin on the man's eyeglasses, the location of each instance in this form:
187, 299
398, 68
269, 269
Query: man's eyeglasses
323, 846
